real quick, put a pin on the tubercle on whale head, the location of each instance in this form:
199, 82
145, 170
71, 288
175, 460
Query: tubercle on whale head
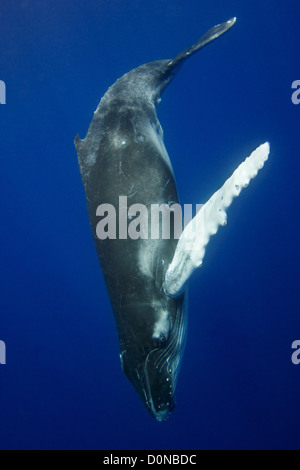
154, 385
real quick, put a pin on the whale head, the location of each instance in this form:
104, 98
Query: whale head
152, 364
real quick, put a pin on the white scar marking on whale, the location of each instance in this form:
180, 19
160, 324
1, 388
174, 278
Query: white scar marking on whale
162, 325
91, 159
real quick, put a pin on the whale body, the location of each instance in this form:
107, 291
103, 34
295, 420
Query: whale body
123, 158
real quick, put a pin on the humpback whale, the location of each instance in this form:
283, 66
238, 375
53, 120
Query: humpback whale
123, 154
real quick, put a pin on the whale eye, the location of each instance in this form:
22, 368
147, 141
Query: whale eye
162, 338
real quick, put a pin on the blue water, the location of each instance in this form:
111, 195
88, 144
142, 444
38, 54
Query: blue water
62, 386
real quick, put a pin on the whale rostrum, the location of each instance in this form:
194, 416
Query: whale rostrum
123, 158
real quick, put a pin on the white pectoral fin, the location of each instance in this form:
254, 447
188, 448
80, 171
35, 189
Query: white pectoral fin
191, 245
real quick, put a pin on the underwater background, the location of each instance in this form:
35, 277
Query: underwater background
62, 386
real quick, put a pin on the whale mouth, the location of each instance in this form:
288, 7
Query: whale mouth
159, 384
159, 399
160, 370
